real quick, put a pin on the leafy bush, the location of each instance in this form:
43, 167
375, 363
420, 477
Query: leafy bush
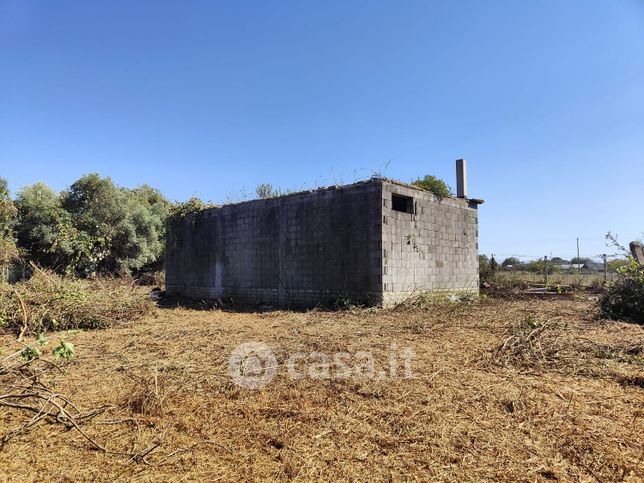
624, 297
188, 210
539, 266
511, 262
487, 269
486, 273
48, 301
265, 191
434, 185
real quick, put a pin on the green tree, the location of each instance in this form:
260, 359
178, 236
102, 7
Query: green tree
94, 226
614, 265
8, 212
97, 209
511, 261
124, 228
44, 227
143, 227
7, 209
485, 270
539, 266
434, 185
535, 266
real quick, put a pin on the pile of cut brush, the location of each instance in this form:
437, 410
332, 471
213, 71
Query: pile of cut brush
23, 389
48, 301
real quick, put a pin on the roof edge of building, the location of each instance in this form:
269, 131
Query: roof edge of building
475, 201
372, 180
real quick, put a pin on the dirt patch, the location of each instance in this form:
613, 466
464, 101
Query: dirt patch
525, 390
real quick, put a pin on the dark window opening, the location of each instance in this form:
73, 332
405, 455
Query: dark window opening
402, 203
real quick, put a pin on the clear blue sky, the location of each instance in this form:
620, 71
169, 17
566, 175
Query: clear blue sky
545, 99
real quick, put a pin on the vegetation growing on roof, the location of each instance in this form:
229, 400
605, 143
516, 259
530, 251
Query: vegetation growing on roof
434, 185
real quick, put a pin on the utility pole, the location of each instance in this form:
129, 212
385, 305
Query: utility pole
578, 258
545, 270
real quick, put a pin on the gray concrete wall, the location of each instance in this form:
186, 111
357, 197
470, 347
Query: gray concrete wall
433, 249
325, 245
293, 250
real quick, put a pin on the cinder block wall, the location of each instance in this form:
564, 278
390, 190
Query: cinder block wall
298, 250
435, 248
320, 246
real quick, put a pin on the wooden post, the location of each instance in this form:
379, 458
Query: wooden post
604, 256
637, 250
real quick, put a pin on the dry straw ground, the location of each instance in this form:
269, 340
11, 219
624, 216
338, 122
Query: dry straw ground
513, 390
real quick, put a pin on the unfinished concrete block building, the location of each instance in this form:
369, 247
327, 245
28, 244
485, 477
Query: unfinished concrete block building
375, 242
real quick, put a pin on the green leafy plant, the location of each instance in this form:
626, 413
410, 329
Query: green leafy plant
530, 323
486, 271
65, 350
624, 297
343, 302
556, 287
434, 185
41, 339
185, 214
30, 353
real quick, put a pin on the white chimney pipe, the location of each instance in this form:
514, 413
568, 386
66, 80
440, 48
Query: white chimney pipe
461, 178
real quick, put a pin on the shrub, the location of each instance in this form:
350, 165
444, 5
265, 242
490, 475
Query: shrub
189, 212
265, 191
48, 301
511, 262
624, 297
539, 266
486, 270
434, 185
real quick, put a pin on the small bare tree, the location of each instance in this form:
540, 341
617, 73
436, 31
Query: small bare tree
265, 190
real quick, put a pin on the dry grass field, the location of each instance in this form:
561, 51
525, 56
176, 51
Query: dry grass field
512, 390
566, 278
